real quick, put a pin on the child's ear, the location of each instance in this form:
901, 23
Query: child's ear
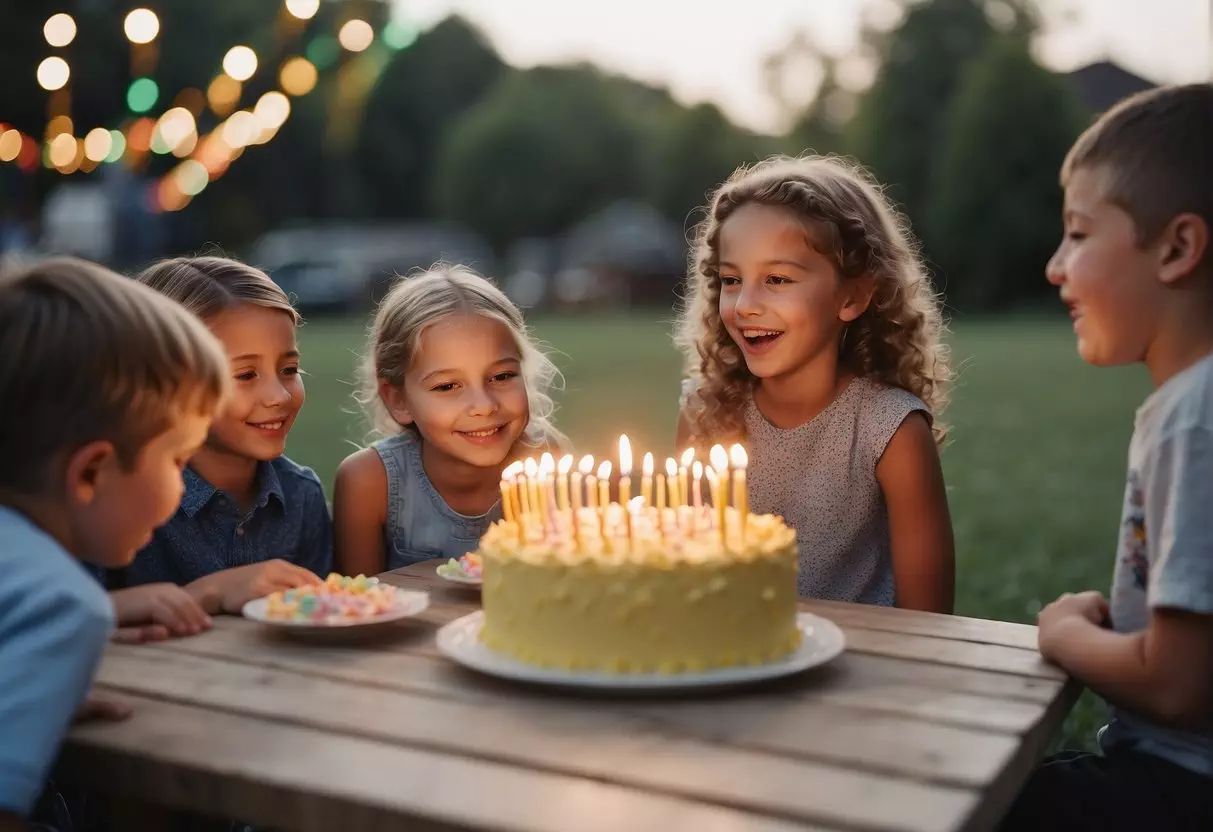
393, 399
857, 295
1181, 247
87, 470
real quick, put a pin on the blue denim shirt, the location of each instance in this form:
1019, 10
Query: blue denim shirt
289, 520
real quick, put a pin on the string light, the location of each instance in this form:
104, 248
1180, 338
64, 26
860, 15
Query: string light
356, 35
298, 76
303, 9
10, 145
53, 73
240, 62
142, 95
62, 150
141, 26
59, 30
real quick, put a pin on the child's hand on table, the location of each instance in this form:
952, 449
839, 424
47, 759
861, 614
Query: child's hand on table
1057, 618
228, 591
154, 612
98, 706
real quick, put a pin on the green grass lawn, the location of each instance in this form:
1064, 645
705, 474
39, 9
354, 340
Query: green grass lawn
1034, 463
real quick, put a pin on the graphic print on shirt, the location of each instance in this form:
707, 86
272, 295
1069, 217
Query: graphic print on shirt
1136, 552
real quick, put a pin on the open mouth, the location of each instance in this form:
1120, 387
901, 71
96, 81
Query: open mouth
760, 337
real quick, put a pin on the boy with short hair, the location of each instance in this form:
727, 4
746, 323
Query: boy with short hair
1135, 267
107, 389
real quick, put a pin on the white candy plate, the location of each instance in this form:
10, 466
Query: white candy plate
460, 641
459, 578
408, 603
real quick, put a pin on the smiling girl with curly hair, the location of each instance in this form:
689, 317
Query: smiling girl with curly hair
811, 333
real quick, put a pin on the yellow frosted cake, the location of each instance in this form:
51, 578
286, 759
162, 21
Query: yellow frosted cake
637, 588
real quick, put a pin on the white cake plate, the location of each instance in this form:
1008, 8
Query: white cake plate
460, 641
409, 602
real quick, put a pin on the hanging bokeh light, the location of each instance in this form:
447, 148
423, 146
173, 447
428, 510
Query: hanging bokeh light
141, 26
272, 110
240, 129
62, 150
139, 137
192, 177
59, 30
98, 144
53, 73
323, 51
303, 9
298, 76
240, 62
142, 95
10, 145
175, 126
117, 146
59, 124
356, 35
398, 35
224, 94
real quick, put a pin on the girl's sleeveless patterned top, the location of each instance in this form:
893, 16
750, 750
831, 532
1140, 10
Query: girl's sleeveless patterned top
420, 525
821, 478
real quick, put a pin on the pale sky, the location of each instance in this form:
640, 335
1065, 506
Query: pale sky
713, 49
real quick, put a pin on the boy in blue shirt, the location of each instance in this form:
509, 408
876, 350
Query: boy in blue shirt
1135, 267
108, 388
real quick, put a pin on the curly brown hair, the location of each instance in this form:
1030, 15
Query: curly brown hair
897, 340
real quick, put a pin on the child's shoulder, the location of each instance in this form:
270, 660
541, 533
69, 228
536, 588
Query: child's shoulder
296, 478
36, 566
1182, 404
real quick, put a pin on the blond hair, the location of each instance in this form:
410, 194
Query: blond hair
88, 355
415, 303
897, 340
1154, 151
209, 286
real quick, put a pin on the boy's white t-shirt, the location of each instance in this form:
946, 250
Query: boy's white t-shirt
1164, 557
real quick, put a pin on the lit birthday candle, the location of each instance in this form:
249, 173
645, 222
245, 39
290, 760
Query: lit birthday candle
584, 469
697, 484
562, 481
604, 485
715, 485
741, 497
646, 479
530, 495
625, 470
671, 474
591, 485
683, 490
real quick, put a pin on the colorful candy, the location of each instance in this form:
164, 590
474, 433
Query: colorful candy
339, 598
467, 566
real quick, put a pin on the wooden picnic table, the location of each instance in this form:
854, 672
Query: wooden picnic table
926, 722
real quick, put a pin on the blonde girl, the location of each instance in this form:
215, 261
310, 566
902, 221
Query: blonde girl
810, 332
455, 387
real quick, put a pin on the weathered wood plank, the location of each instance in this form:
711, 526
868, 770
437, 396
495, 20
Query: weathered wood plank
994, 657
626, 749
296, 778
950, 696
960, 628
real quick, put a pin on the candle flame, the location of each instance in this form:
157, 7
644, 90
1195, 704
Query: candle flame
738, 457
720, 458
586, 466
671, 468
531, 469
604, 470
647, 465
697, 469
566, 464
625, 455
710, 473
687, 456
546, 464
512, 471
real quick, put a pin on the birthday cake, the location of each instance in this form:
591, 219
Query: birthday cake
638, 585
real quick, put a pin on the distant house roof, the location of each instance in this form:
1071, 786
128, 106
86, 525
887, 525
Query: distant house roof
1101, 84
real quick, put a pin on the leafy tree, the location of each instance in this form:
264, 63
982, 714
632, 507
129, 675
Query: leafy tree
996, 203
543, 149
420, 94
